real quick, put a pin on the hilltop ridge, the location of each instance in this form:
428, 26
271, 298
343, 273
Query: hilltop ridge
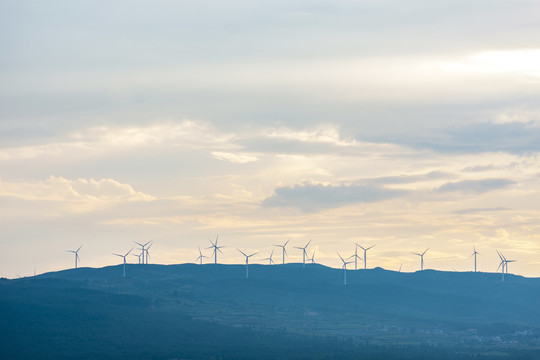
383, 308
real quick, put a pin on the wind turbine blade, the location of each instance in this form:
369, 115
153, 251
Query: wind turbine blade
370, 247
139, 244
286, 242
129, 252
307, 244
253, 254
80, 247
341, 258
241, 252
118, 255
425, 251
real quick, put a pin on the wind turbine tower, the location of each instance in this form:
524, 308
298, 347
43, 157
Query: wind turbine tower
356, 257
344, 267
247, 261
284, 251
201, 256
124, 256
304, 253
474, 254
76, 252
365, 251
421, 258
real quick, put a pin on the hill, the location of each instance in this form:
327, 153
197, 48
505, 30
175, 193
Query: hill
416, 312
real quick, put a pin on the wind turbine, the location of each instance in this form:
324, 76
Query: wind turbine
215, 248
284, 251
421, 258
312, 259
143, 249
501, 264
344, 267
247, 261
270, 261
124, 256
147, 253
138, 256
365, 251
201, 256
474, 254
304, 253
76, 252
506, 262
400, 267
356, 257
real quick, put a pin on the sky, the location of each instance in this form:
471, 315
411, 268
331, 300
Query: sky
404, 124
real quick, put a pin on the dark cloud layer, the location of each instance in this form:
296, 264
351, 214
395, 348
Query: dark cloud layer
486, 137
313, 197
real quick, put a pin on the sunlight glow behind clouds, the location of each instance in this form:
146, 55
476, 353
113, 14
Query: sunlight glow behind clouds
524, 61
111, 131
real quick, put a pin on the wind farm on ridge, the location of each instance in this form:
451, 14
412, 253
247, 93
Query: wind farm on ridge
144, 256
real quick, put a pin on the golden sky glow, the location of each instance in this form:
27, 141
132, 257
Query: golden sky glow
382, 123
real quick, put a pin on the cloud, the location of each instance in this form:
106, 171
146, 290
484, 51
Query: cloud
100, 139
407, 179
475, 186
480, 210
81, 194
310, 197
511, 137
240, 158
